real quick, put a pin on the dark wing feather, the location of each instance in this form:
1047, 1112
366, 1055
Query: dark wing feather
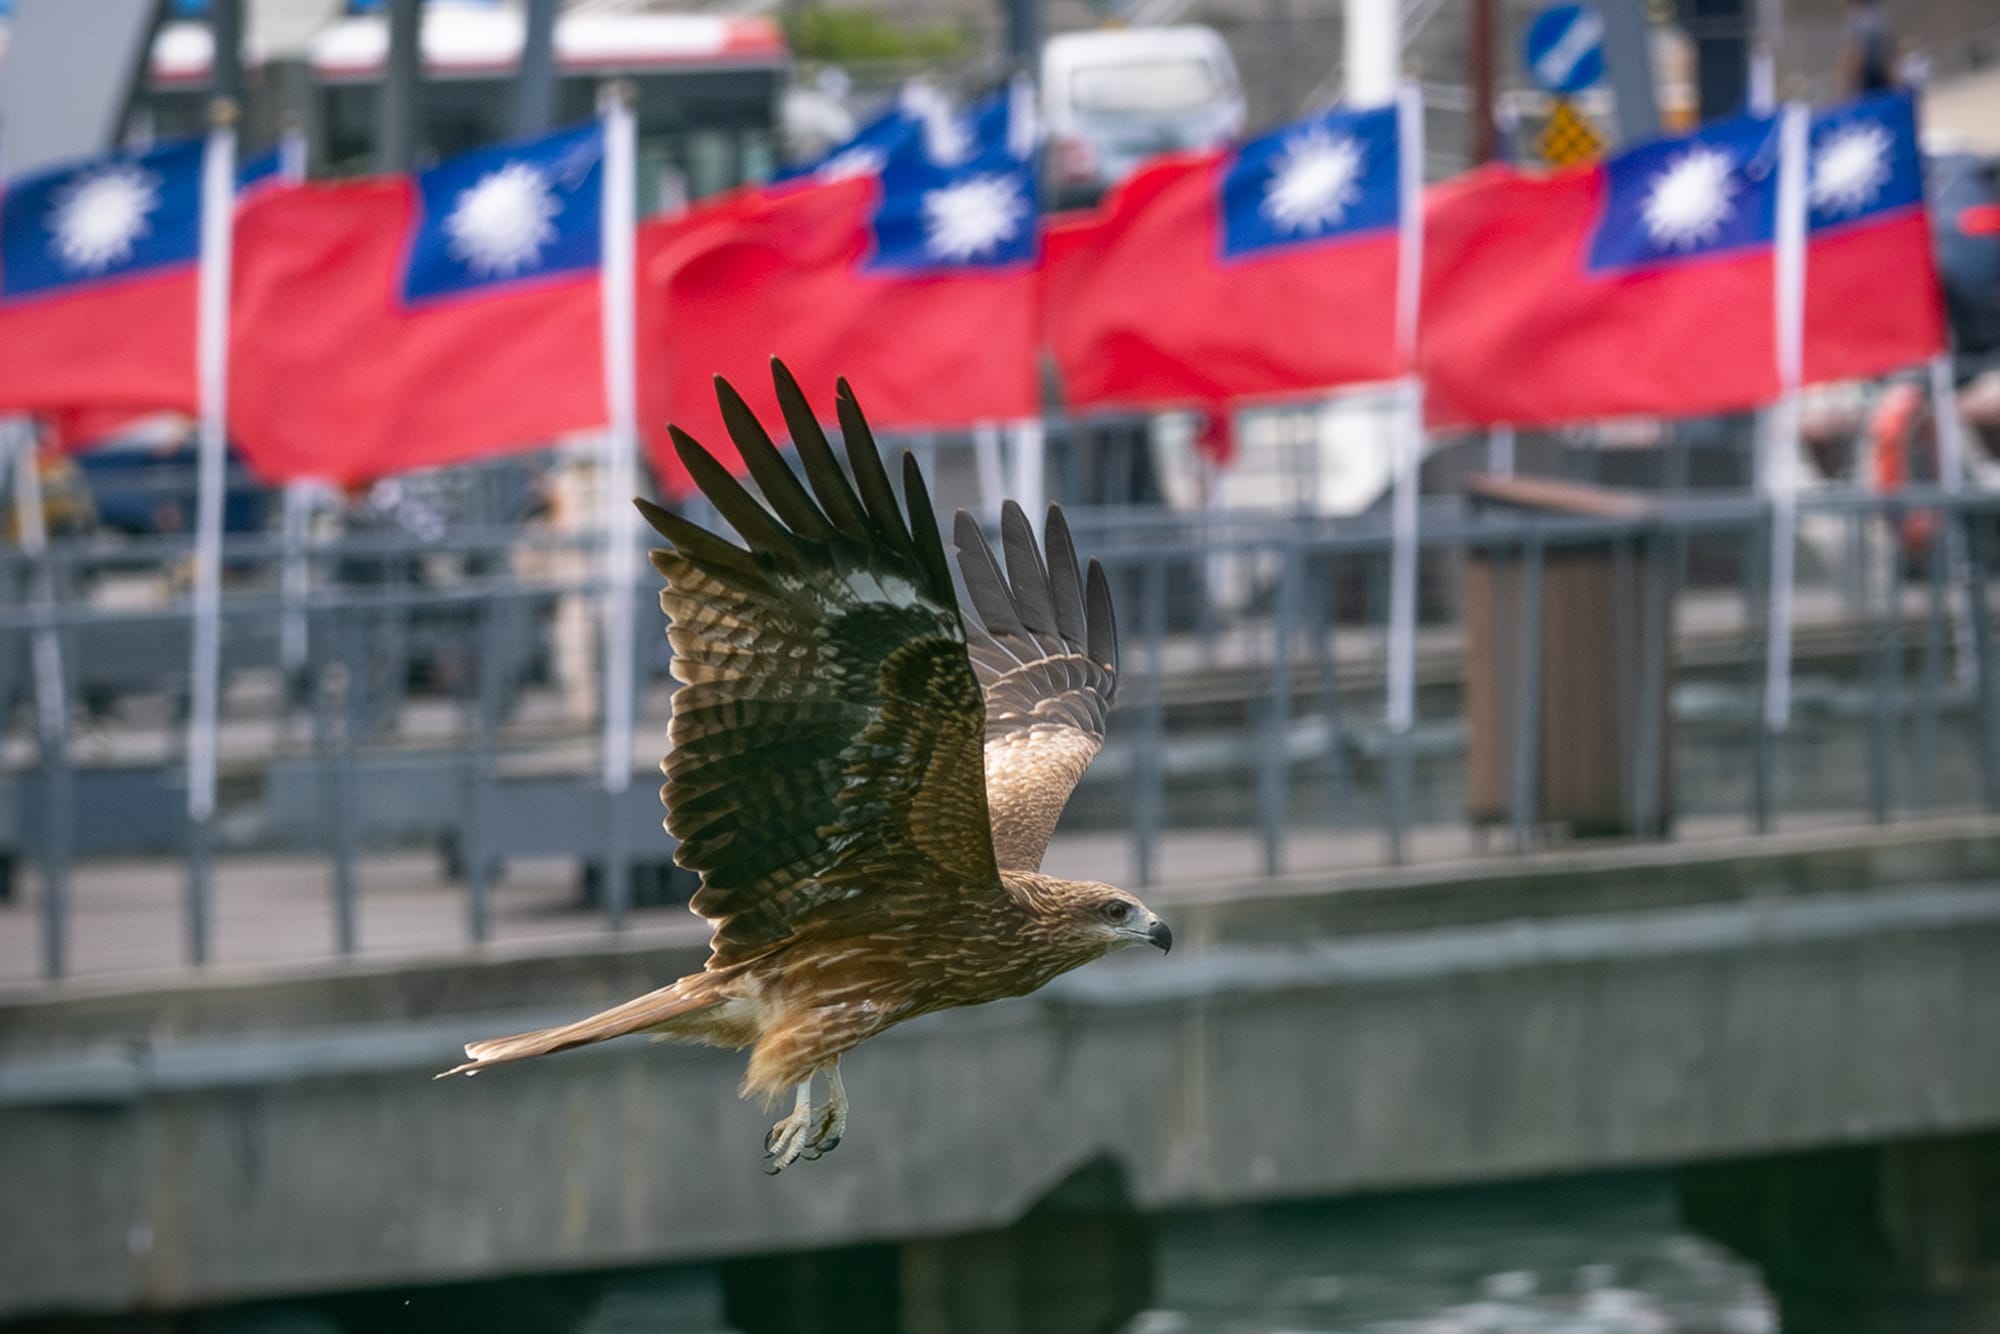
1045, 648
827, 762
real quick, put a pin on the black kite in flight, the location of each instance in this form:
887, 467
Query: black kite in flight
864, 777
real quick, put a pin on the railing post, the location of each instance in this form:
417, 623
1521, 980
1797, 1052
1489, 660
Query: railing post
1978, 537
1930, 688
200, 890
1879, 605
1149, 777
1322, 623
354, 713
51, 693
477, 836
1656, 631
1528, 701
58, 819
1763, 740
1273, 789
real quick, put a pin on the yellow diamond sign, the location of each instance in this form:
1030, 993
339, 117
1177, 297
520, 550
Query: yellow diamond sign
1569, 137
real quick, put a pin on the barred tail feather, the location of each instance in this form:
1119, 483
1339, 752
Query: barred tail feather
648, 1012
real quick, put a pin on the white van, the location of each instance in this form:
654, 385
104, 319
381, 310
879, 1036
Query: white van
1113, 98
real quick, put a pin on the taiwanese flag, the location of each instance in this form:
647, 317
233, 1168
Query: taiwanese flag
1873, 299
918, 284
86, 423
1645, 284
1270, 269
97, 283
397, 322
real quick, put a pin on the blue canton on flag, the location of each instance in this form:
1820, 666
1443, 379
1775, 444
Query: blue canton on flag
1328, 176
260, 171
1711, 192
107, 218
960, 193
509, 214
1864, 161
871, 146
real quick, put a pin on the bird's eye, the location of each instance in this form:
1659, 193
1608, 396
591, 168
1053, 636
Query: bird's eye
1117, 912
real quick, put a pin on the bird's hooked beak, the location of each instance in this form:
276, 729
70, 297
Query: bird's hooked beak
1160, 936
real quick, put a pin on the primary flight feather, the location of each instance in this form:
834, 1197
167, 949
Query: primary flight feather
864, 777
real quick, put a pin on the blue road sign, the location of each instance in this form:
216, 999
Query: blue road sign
1566, 49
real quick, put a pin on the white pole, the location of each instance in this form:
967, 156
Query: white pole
1500, 451
1950, 427
1763, 91
1374, 51
218, 209
51, 706
621, 403
1778, 476
294, 577
986, 454
1409, 216
1030, 463
1951, 480
292, 153
1408, 448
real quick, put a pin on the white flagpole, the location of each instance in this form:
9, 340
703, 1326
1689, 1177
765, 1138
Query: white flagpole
294, 578
1951, 480
218, 208
986, 454
1950, 428
31, 523
621, 403
1409, 415
1029, 437
292, 153
1778, 477
51, 693
1030, 486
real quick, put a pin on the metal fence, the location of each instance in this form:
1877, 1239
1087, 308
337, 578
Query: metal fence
390, 693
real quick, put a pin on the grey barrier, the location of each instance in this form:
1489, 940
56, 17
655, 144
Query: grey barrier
419, 713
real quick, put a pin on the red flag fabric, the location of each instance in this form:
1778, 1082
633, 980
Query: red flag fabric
1643, 285
390, 324
918, 285
1874, 301
97, 283
1263, 271
757, 275
72, 430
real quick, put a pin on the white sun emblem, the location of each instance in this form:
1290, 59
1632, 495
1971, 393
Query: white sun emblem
973, 217
95, 220
1850, 167
1690, 200
498, 227
1316, 180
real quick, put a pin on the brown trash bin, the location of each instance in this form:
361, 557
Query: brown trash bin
1606, 666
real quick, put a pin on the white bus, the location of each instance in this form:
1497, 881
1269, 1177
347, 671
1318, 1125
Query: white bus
709, 85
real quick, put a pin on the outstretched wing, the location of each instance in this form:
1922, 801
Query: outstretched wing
1045, 647
826, 760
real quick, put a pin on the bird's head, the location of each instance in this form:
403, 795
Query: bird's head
1112, 917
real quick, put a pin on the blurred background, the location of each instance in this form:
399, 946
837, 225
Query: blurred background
1581, 999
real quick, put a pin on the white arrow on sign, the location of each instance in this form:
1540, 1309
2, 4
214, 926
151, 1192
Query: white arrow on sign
1554, 68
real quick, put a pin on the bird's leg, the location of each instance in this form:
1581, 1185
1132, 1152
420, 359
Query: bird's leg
831, 1123
788, 1137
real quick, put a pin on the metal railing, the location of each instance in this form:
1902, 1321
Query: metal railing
447, 695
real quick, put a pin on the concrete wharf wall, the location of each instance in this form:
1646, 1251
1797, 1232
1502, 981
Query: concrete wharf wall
227, 1139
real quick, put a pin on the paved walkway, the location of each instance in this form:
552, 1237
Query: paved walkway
126, 924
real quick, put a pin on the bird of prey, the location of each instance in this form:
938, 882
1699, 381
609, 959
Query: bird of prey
864, 776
